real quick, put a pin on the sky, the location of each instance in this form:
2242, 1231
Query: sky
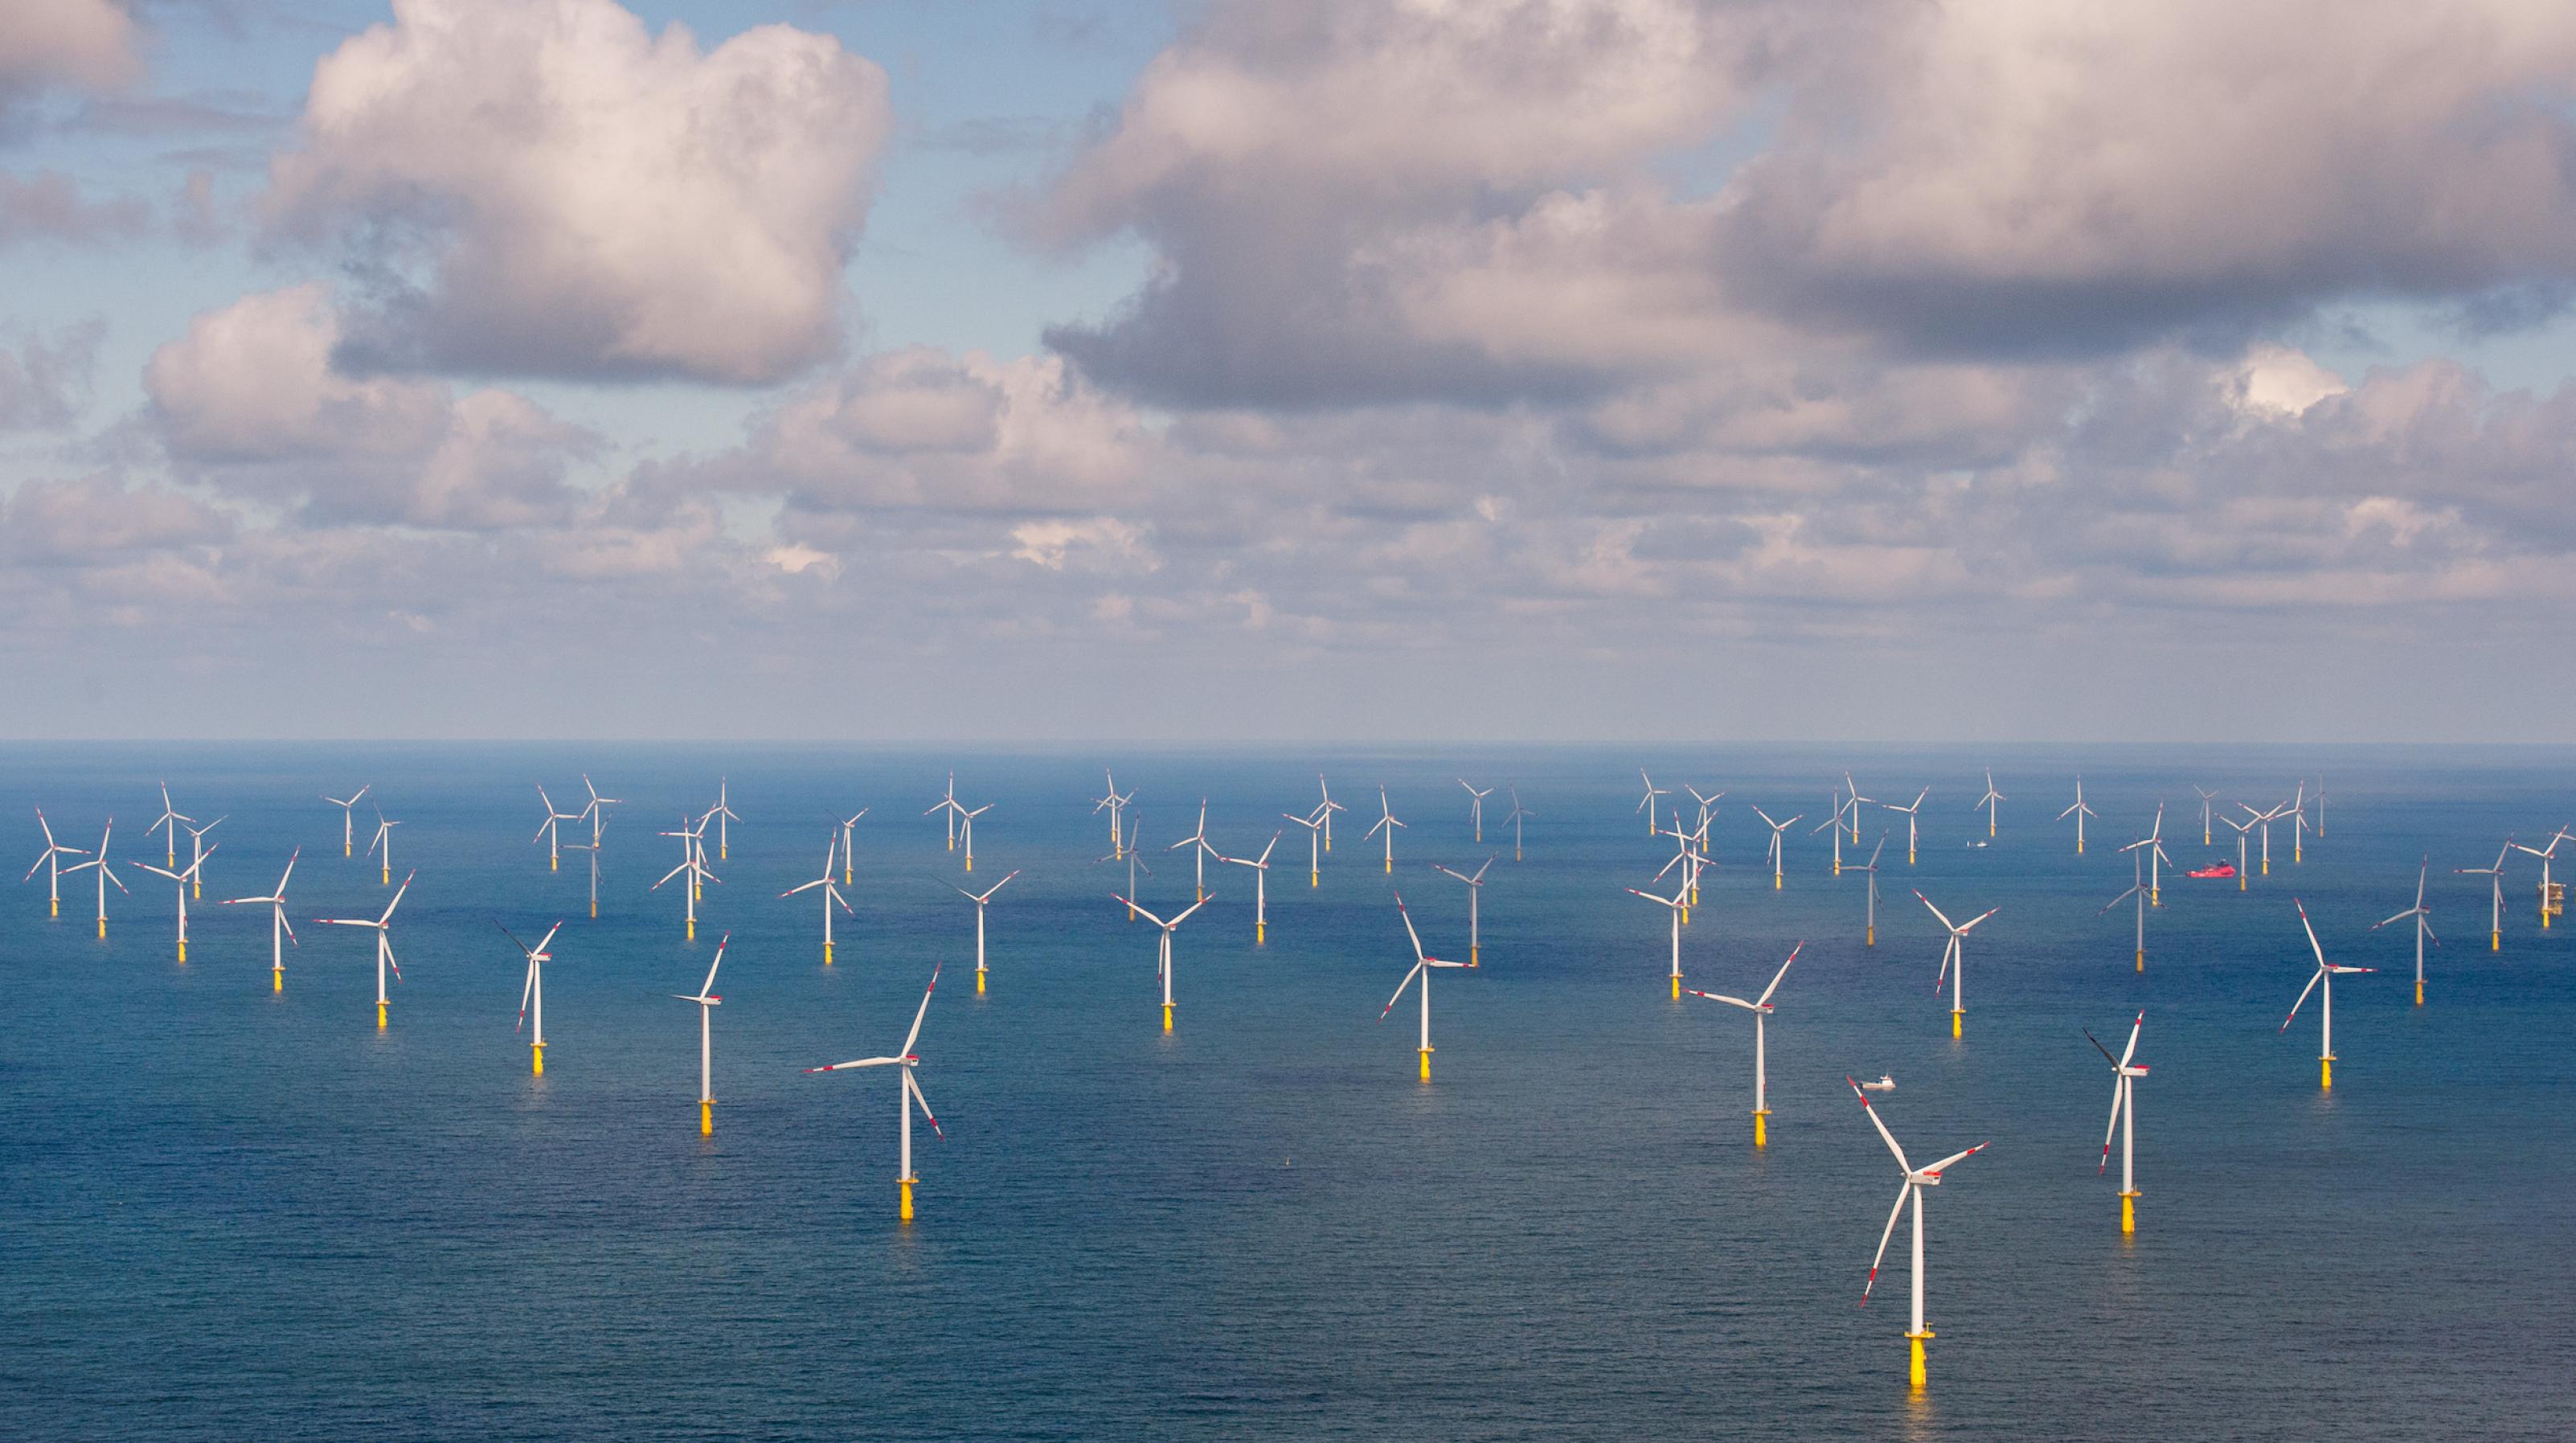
1352, 370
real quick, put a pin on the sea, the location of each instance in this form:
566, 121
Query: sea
233, 1212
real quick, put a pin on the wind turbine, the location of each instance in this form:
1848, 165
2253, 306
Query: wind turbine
593, 849
2423, 916
546, 830
1519, 814
1260, 888
2326, 973
1475, 890
1776, 829
1673, 904
2299, 825
348, 833
2079, 812
1988, 802
384, 838
1422, 965
2494, 876
707, 1001
849, 829
384, 926
51, 859
1386, 823
1916, 1180
1198, 857
2241, 829
1760, 1007
1163, 954
106, 874
183, 878
1954, 959
832, 896
2124, 1119
1707, 807
1912, 811
2205, 799
966, 830
534, 990
947, 803
167, 825
1476, 807
596, 809
2154, 842
1329, 806
1833, 823
280, 931
1870, 937
1854, 801
1647, 804
906, 1095
198, 851
1114, 804
1128, 855
981, 899
1314, 840
2137, 889
726, 816
2264, 820
2545, 854
693, 862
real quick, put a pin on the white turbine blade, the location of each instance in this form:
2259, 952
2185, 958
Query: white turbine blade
1186, 911
1722, 997
1884, 1134
675, 871
1414, 936
2116, 901
2311, 931
526, 986
862, 1062
2313, 979
1926, 901
2118, 1086
1964, 927
1935, 1169
1400, 986
913, 1086
710, 985
919, 1013
1893, 1214
397, 901
809, 886
1141, 912
1776, 976
548, 940
2132, 1049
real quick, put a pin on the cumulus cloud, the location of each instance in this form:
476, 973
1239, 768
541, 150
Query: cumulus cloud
91, 44
101, 519
549, 188
250, 399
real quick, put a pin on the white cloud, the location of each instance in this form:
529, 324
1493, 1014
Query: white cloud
89, 43
2280, 381
577, 196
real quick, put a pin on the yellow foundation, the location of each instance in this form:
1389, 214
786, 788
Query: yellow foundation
2419, 994
2495, 940
693, 929
706, 1117
2079, 846
907, 1199
1314, 879
183, 949
1761, 1128
1261, 935
2155, 896
102, 926
1775, 881
1328, 844
1870, 938
1167, 1017
537, 1059
58, 907
380, 1017
344, 849
1914, 1373
594, 909
1471, 954
1954, 1024
2297, 855
1390, 866
554, 864
979, 981
1838, 866
1677, 987
723, 851
2267, 866
385, 878
277, 979
970, 861
1909, 856
2128, 1212
2142, 960
1685, 914
2240, 881
1426, 1064
199, 890
827, 954
2325, 1073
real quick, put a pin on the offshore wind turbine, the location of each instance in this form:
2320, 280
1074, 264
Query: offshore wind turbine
1854, 800
2137, 889
106, 874
1707, 808
1869, 938
168, 826
1314, 835
726, 816
981, 900
1386, 823
1833, 823
947, 803
1954, 959
1673, 904
547, 830
1647, 803
280, 931
198, 851
2125, 1072
849, 829
2079, 812
1519, 814
183, 878
2299, 824
1476, 807
596, 809
1197, 840
1422, 965
1761, 1009
1260, 888
2154, 843
2494, 876
2326, 973
832, 896
707, 1001
1114, 804
2264, 821
1163, 953
966, 830
1776, 829
2241, 829
384, 838
348, 831
1128, 855
2423, 916
51, 859
1988, 801
1913, 813
384, 926
534, 990
909, 1093
593, 849
2546, 855
1916, 1180
1475, 890
1327, 808
693, 862
2205, 799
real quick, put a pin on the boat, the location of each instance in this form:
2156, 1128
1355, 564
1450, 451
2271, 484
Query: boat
2223, 869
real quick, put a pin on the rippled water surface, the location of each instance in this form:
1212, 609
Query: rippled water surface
237, 1213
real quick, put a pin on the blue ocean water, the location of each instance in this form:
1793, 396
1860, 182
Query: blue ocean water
236, 1213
